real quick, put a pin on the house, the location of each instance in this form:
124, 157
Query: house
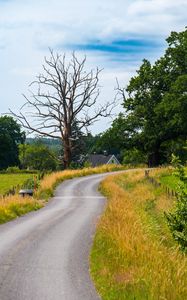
100, 159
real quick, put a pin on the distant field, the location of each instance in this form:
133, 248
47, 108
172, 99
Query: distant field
7, 181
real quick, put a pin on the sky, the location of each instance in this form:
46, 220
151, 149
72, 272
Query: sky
115, 35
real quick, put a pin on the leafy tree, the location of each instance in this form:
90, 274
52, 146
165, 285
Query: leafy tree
53, 144
37, 157
10, 137
134, 157
90, 142
156, 101
113, 140
120, 138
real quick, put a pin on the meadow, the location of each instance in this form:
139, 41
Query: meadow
134, 255
8, 181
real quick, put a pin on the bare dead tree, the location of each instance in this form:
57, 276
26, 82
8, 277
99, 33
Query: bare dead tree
65, 92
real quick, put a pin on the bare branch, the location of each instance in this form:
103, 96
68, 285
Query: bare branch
63, 93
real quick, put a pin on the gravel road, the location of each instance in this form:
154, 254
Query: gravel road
45, 255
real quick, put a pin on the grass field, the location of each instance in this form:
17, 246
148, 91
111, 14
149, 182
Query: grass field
7, 181
134, 255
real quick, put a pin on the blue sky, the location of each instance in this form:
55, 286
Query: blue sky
114, 35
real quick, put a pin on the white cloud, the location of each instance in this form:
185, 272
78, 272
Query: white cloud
153, 7
28, 28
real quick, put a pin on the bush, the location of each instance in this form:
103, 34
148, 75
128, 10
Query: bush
13, 170
177, 219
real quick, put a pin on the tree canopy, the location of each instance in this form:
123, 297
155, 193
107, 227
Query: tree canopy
37, 157
155, 102
10, 136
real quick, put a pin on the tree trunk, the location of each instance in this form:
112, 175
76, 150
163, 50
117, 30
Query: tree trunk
67, 153
154, 159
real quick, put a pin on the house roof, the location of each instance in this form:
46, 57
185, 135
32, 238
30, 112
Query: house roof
99, 159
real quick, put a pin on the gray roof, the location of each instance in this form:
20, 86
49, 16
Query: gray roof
100, 159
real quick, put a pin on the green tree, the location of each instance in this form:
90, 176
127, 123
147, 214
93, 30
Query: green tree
53, 144
133, 157
10, 137
37, 157
120, 138
112, 140
156, 101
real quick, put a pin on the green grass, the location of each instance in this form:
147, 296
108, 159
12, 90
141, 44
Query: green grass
8, 181
171, 181
168, 179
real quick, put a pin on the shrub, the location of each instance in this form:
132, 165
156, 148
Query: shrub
13, 170
177, 219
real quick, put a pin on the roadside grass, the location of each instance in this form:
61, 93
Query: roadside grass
12, 207
7, 181
15, 206
134, 255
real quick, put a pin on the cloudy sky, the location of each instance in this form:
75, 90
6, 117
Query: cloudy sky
114, 35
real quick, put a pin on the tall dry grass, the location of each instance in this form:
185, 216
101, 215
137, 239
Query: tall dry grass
15, 206
133, 256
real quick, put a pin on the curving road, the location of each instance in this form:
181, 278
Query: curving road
44, 255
